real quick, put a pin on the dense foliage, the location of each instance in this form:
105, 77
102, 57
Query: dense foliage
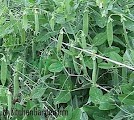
74, 55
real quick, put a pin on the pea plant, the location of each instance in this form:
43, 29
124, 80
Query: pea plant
73, 55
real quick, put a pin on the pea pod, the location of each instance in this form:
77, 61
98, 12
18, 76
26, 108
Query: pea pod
3, 70
83, 40
25, 21
16, 77
16, 84
94, 73
36, 22
9, 101
85, 22
60, 39
33, 49
52, 23
83, 65
110, 31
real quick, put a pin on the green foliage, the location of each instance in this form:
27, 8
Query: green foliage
52, 57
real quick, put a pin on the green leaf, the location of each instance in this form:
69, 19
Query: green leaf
45, 37
67, 52
55, 67
95, 95
99, 39
125, 109
76, 114
84, 115
127, 99
76, 65
62, 97
88, 62
70, 111
61, 118
101, 115
111, 49
106, 103
129, 24
90, 110
64, 81
127, 88
129, 56
131, 77
100, 21
119, 41
115, 56
37, 92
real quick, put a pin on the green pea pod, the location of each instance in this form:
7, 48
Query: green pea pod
25, 21
16, 77
85, 22
36, 22
3, 70
9, 101
52, 23
84, 66
83, 40
16, 84
94, 73
110, 31
60, 39
33, 49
